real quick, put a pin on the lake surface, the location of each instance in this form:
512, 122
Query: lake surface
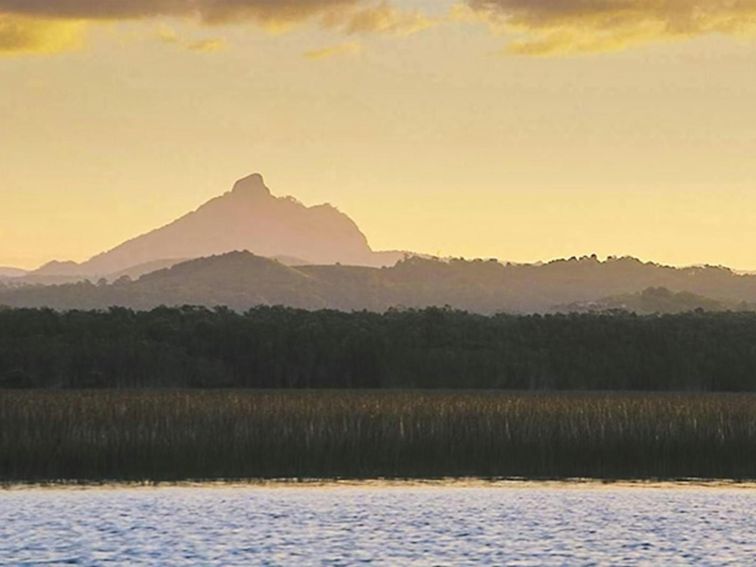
506, 523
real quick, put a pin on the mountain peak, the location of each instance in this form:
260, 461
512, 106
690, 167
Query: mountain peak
248, 217
56, 268
251, 185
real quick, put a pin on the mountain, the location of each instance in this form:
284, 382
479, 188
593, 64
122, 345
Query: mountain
6, 272
56, 268
250, 218
238, 280
658, 300
241, 280
56, 273
136, 272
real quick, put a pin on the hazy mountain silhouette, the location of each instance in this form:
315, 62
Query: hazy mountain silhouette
7, 272
242, 280
136, 272
317, 257
657, 300
250, 218
56, 268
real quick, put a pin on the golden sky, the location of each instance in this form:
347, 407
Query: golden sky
519, 129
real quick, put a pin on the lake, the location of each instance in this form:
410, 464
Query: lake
442, 523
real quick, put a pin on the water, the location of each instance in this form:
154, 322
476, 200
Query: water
401, 524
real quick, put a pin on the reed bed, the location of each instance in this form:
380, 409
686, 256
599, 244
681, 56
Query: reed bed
180, 435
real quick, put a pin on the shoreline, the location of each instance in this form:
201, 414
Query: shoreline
387, 483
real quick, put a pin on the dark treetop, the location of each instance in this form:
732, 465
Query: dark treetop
275, 347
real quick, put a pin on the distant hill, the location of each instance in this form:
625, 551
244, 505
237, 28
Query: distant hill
6, 272
658, 300
136, 272
238, 280
241, 280
248, 217
56, 268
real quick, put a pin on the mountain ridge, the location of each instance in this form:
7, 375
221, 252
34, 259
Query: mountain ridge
248, 217
10, 272
241, 280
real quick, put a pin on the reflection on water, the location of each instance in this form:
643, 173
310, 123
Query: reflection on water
450, 523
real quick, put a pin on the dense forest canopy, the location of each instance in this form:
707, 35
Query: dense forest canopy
276, 347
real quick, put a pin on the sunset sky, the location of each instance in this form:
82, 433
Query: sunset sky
519, 129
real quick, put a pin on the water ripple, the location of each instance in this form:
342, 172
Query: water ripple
378, 525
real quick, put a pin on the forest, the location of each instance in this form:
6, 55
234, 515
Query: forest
434, 348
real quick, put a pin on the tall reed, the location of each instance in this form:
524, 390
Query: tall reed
173, 435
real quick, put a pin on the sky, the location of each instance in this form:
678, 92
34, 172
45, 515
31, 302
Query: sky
524, 130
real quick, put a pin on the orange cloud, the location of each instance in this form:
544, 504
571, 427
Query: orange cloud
49, 26
550, 27
344, 49
210, 11
353, 15
167, 34
26, 35
384, 18
207, 45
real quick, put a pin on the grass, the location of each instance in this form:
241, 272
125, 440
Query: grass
180, 435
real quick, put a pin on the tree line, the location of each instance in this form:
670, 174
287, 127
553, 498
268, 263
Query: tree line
438, 348
241, 280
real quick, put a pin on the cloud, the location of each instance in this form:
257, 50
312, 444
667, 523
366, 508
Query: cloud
25, 35
344, 49
167, 34
552, 27
209, 11
49, 26
381, 18
207, 45
353, 15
